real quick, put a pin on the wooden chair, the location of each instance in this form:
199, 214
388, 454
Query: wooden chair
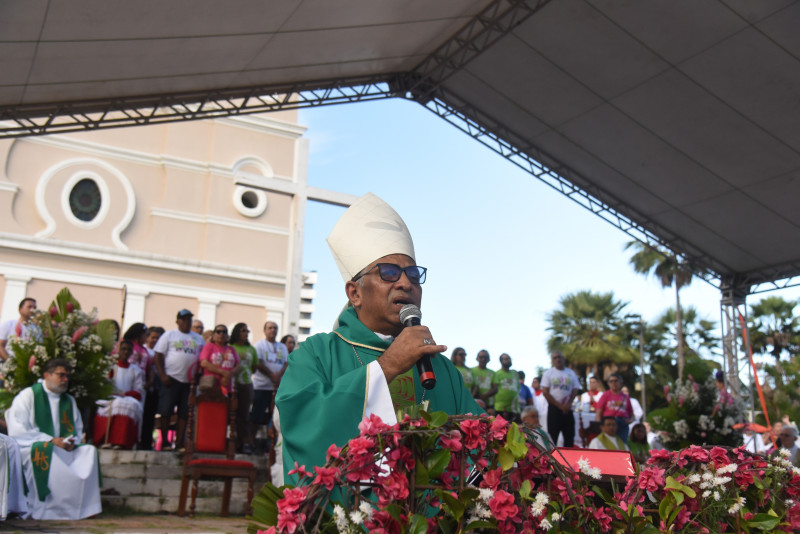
211, 428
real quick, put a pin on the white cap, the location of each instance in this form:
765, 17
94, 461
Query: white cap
370, 229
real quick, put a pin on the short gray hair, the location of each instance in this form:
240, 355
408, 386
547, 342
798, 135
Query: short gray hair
529, 409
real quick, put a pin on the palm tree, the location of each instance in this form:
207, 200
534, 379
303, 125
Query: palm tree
670, 270
774, 329
589, 329
701, 343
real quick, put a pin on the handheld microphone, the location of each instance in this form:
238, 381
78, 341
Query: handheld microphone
411, 316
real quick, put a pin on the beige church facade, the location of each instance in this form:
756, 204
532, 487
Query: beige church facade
143, 221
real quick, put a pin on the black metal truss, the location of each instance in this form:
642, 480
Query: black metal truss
139, 111
495, 21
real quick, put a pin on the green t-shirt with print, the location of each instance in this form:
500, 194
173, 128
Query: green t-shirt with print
247, 361
507, 397
466, 374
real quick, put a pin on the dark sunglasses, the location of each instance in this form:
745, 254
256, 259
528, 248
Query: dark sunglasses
389, 272
221, 332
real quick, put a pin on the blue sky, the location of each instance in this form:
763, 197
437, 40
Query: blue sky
501, 247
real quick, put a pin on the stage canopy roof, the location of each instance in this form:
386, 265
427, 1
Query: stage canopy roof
676, 120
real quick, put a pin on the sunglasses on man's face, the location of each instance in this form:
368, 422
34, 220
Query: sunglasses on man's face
390, 272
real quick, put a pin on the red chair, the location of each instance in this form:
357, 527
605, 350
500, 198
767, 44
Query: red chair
211, 429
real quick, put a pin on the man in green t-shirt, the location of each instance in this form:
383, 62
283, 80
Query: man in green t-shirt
506, 401
482, 388
459, 357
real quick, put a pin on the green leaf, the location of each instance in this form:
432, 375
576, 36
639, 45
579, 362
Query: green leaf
437, 462
394, 511
264, 505
437, 419
456, 507
525, 490
417, 525
422, 477
515, 442
666, 507
469, 494
763, 522
675, 485
505, 459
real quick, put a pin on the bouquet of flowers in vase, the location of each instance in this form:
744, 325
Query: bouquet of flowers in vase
698, 413
70, 333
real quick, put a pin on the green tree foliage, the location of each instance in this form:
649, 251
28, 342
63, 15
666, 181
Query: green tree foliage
775, 331
590, 330
702, 346
670, 271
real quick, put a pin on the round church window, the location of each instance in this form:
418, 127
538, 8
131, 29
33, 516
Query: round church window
85, 200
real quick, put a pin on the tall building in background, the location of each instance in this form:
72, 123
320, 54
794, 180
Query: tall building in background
205, 215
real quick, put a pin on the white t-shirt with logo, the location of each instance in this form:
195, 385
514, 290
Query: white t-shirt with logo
181, 353
273, 355
561, 382
27, 332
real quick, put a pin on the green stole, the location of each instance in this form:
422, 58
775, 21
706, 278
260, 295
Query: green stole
607, 443
42, 451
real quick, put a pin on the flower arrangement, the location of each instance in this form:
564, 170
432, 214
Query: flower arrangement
421, 475
698, 413
70, 333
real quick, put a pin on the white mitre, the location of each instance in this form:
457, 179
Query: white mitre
368, 230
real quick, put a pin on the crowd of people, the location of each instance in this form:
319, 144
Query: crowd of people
151, 378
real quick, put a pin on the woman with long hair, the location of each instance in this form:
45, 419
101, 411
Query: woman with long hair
637, 443
244, 385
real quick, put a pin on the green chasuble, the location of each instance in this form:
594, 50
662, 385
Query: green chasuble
42, 451
322, 395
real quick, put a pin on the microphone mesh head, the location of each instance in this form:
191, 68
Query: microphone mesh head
408, 311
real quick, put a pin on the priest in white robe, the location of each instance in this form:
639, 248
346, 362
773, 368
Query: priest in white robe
12, 489
119, 419
62, 475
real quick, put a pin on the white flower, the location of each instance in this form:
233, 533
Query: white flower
482, 511
716, 495
555, 517
693, 478
486, 494
340, 517
784, 452
539, 504
735, 507
719, 481
583, 464
730, 468
706, 493
594, 472
681, 428
356, 517
545, 525
366, 509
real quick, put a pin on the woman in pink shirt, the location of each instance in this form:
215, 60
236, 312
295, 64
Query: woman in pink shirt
220, 359
614, 403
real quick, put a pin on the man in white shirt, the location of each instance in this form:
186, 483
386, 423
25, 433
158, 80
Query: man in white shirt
608, 439
560, 385
272, 361
21, 328
177, 353
61, 474
787, 439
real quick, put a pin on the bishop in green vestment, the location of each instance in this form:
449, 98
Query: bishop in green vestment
367, 365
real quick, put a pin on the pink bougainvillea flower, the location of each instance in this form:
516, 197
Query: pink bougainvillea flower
360, 446
300, 470
289, 518
659, 454
682, 518
79, 333
372, 426
474, 434
651, 479
392, 488
695, 453
451, 440
602, 518
327, 476
289, 521
401, 457
333, 452
498, 428
491, 479
502, 506
31, 362
719, 456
